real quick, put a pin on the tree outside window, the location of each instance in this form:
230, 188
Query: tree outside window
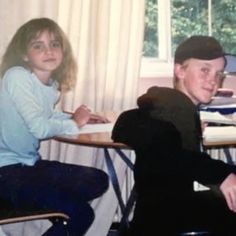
191, 17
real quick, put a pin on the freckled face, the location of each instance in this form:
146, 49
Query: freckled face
200, 79
44, 53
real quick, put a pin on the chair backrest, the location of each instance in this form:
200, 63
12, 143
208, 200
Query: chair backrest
13, 216
9, 214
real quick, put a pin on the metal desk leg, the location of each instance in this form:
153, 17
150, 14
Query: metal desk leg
228, 156
125, 209
125, 159
114, 179
124, 223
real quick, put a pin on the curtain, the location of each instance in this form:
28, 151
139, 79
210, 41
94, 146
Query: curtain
106, 37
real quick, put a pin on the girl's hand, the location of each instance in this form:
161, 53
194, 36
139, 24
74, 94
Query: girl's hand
94, 119
81, 115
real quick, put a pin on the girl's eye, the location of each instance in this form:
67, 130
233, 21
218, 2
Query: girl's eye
56, 44
41, 47
38, 46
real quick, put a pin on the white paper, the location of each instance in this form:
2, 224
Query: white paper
216, 117
223, 106
96, 128
219, 133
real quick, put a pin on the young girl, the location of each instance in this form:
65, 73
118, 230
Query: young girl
37, 64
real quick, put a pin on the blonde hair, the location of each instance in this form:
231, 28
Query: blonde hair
65, 74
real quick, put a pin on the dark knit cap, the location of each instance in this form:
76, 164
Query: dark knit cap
198, 47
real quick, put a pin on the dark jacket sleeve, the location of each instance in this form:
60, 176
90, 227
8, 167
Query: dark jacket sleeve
160, 153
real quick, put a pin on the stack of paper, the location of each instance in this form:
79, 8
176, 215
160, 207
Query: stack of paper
216, 117
223, 104
223, 109
219, 133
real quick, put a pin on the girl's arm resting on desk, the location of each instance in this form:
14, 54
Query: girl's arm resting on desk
34, 103
97, 119
81, 115
84, 116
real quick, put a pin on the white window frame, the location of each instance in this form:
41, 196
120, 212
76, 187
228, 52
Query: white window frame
162, 66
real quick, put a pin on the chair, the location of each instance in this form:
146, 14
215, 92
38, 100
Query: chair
9, 215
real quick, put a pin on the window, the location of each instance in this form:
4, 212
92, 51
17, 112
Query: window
168, 22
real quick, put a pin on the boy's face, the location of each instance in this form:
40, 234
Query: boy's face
200, 79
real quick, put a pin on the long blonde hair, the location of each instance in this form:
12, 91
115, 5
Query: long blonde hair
17, 48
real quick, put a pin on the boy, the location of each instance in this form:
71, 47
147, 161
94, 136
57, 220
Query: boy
166, 138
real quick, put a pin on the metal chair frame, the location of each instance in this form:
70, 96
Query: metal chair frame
9, 216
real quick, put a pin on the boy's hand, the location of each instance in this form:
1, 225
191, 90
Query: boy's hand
228, 188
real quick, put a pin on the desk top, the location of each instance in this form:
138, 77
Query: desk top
220, 143
101, 139
92, 140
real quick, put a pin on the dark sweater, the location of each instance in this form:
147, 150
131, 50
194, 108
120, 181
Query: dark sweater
165, 134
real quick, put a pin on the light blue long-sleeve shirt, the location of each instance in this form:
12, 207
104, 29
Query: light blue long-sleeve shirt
27, 116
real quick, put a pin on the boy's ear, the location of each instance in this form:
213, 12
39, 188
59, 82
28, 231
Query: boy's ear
179, 70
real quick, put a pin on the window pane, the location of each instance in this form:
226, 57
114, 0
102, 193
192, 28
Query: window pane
224, 23
188, 18
150, 47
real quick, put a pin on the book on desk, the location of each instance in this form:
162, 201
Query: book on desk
220, 115
221, 128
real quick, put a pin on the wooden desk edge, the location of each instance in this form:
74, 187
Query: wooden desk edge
97, 144
223, 143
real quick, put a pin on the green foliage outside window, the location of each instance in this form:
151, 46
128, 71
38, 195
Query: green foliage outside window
150, 47
190, 17
224, 23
